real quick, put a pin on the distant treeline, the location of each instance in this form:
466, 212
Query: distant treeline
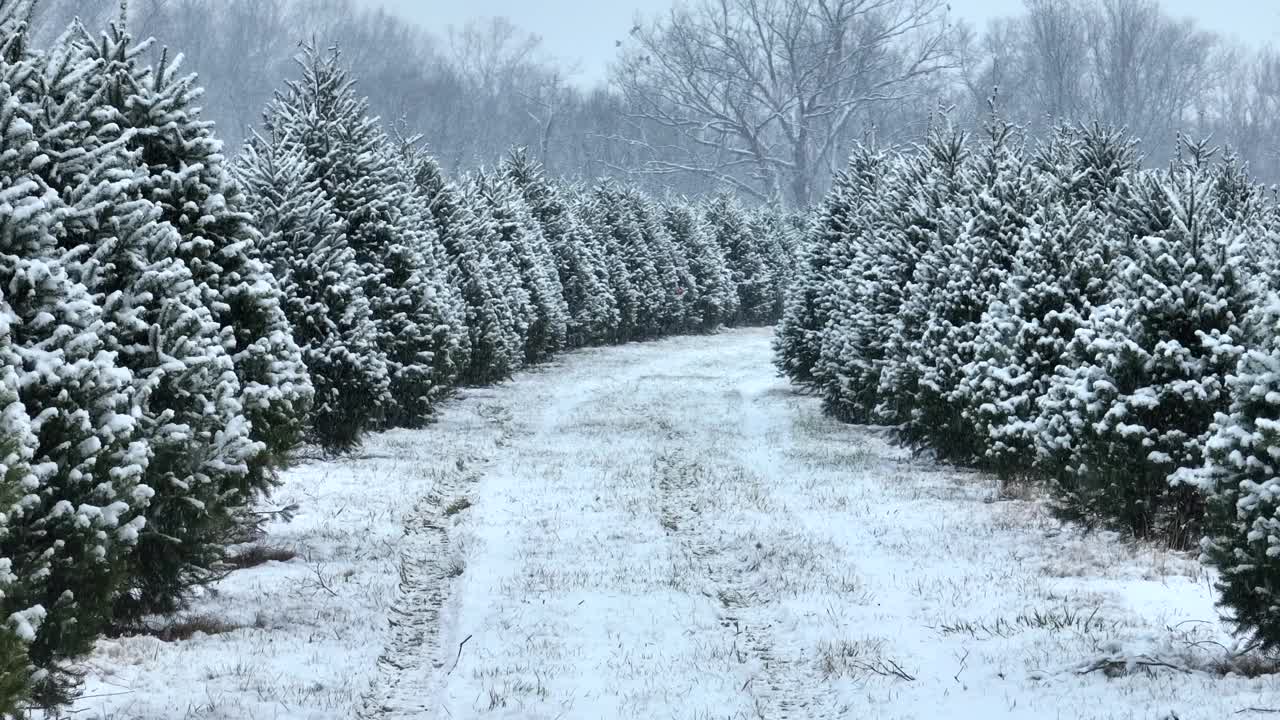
697, 102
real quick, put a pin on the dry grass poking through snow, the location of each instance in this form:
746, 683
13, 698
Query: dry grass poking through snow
669, 531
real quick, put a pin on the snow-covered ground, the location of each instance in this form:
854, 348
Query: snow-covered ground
668, 531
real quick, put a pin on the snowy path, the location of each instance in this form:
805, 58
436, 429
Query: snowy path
668, 531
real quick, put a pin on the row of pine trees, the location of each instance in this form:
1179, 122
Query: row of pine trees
175, 323
1058, 314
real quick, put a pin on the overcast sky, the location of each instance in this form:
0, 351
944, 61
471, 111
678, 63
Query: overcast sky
584, 31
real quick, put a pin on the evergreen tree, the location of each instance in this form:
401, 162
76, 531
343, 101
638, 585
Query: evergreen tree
514, 228
775, 232
687, 292
69, 535
186, 176
747, 267
417, 312
921, 213
1240, 482
621, 247
627, 236
17, 444
827, 271
1094, 160
304, 244
73, 464
1144, 381
159, 325
450, 339
496, 332
712, 298
665, 296
1235, 193
1060, 273
584, 276
584, 280
1057, 278
961, 280
1265, 230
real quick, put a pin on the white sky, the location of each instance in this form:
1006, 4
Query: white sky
584, 31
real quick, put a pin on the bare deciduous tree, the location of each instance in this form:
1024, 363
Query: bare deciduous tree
520, 93
1124, 63
765, 91
1148, 69
1243, 109
1057, 53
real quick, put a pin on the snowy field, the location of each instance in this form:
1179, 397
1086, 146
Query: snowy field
668, 531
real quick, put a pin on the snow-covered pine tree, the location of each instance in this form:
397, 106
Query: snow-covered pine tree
584, 273
713, 298
747, 267
664, 290
1242, 484
920, 212
20, 583
185, 389
621, 246
1060, 274
686, 290
187, 178
1235, 192
68, 533
450, 339
499, 257
1095, 159
1266, 230
494, 325
782, 251
627, 235
592, 310
826, 256
772, 232
1058, 277
1243, 203
1053, 159
304, 244
1134, 403
416, 311
585, 205
514, 228
962, 280
17, 444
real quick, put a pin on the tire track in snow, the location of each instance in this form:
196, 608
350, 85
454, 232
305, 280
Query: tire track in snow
414, 662
779, 684
413, 648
